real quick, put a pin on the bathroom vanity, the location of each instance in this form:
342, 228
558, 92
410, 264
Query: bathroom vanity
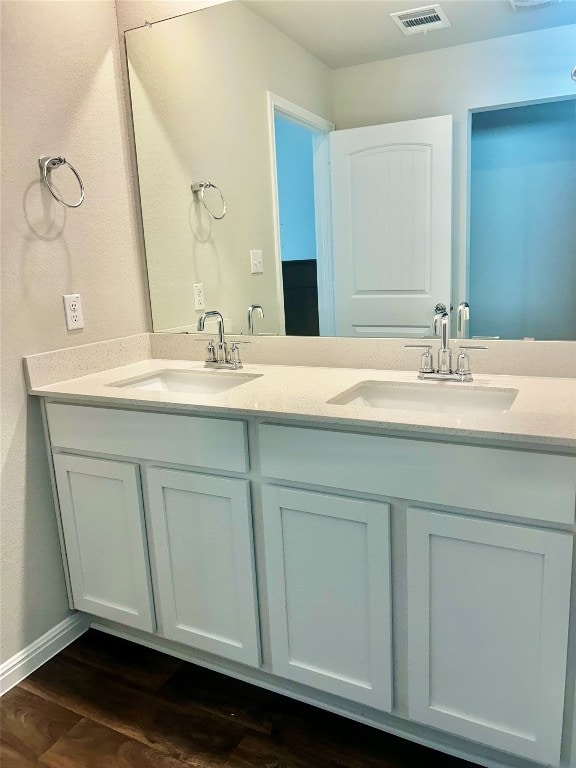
406, 564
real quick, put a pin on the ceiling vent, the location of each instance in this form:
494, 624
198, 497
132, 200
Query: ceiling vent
421, 19
521, 5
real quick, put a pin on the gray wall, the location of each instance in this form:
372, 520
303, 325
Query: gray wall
61, 94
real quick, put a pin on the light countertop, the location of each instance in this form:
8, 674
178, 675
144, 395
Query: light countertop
543, 413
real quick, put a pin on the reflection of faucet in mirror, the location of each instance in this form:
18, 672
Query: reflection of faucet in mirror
259, 311
439, 310
463, 320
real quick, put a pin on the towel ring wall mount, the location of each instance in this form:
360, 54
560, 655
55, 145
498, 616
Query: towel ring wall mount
47, 165
199, 188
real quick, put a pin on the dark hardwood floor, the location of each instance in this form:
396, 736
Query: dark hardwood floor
106, 702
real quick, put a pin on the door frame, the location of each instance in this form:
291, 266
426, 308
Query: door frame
322, 205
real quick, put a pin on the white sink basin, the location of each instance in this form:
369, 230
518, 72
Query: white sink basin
192, 382
460, 399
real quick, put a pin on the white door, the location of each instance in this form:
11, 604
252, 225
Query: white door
488, 608
203, 550
328, 577
391, 218
104, 532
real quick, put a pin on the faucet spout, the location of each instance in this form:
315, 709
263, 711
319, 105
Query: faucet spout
212, 313
259, 311
444, 353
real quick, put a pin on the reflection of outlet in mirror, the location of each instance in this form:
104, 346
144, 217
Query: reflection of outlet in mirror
199, 296
73, 311
256, 262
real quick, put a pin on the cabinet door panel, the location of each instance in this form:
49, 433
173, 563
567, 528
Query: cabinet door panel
104, 532
488, 628
328, 574
202, 544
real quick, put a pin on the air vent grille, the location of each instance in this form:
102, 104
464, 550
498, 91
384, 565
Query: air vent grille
420, 19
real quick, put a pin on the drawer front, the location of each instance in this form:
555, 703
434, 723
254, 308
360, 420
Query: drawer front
191, 440
517, 483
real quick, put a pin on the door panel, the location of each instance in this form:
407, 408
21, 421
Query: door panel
488, 628
104, 532
328, 575
202, 534
392, 199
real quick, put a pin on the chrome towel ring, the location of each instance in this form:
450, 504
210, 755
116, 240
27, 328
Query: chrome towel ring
199, 187
47, 165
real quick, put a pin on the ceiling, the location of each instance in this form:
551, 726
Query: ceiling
343, 33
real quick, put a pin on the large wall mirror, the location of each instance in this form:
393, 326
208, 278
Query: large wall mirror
311, 159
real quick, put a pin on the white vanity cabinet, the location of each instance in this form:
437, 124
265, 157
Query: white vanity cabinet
196, 536
328, 578
420, 586
488, 608
105, 539
488, 602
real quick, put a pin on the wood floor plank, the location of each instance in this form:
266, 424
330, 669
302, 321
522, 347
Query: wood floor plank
183, 732
29, 725
221, 695
258, 752
134, 664
348, 744
90, 745
89, 708
11, 758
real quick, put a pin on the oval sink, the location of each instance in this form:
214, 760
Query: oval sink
192, 382
460, 399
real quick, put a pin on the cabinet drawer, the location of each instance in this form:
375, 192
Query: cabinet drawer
191, 440
507, 482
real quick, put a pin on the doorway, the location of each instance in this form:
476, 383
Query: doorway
522, 272
297, 214
300, 165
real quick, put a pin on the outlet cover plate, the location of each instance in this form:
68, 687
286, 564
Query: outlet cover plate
73, 311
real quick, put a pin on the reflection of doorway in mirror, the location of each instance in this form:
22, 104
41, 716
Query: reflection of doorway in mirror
297, 216
523, 222
300, 159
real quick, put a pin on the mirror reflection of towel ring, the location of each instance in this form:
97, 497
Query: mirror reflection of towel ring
199, 187
47, 165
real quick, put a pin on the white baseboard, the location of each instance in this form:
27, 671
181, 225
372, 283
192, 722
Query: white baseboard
23, 663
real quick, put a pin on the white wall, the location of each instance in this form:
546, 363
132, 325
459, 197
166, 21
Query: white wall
61, 94
199, 86
502, 71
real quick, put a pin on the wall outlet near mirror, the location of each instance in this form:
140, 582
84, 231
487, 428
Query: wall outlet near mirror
199, 296
73, 311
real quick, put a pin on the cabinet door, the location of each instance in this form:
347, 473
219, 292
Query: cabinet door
104, 533
328, 575
203, 549
488, 626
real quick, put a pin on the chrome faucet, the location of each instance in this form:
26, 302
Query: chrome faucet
463, 320
444, 353
439, 310
219, 356
444, 372
259, 311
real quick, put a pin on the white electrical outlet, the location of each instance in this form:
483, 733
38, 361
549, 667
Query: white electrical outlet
73, 311
199, 296
256, 262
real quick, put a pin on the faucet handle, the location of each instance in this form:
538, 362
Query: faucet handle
463, 363
235, 353
211, 352
426, 359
